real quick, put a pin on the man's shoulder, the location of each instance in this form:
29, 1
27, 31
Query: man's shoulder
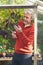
32, 28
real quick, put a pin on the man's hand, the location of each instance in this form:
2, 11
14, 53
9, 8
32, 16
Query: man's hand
14, 35
18, 28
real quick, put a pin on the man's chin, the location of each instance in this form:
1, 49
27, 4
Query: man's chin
25, 22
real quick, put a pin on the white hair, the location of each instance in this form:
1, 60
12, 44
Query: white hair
30, 11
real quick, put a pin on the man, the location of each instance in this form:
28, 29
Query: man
24, 36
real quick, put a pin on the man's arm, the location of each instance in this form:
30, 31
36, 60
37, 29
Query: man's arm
27, 39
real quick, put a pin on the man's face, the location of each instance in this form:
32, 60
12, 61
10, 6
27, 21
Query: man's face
27, 18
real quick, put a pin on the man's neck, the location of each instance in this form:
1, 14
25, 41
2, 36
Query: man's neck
26, 25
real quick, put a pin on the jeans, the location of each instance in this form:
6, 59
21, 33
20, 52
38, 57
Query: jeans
22, 59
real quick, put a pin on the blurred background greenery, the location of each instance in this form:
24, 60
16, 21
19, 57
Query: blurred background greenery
6, 14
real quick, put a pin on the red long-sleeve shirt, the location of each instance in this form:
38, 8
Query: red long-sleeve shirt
25, 39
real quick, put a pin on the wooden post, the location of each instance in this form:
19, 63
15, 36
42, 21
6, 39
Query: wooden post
35, 36
19, 6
